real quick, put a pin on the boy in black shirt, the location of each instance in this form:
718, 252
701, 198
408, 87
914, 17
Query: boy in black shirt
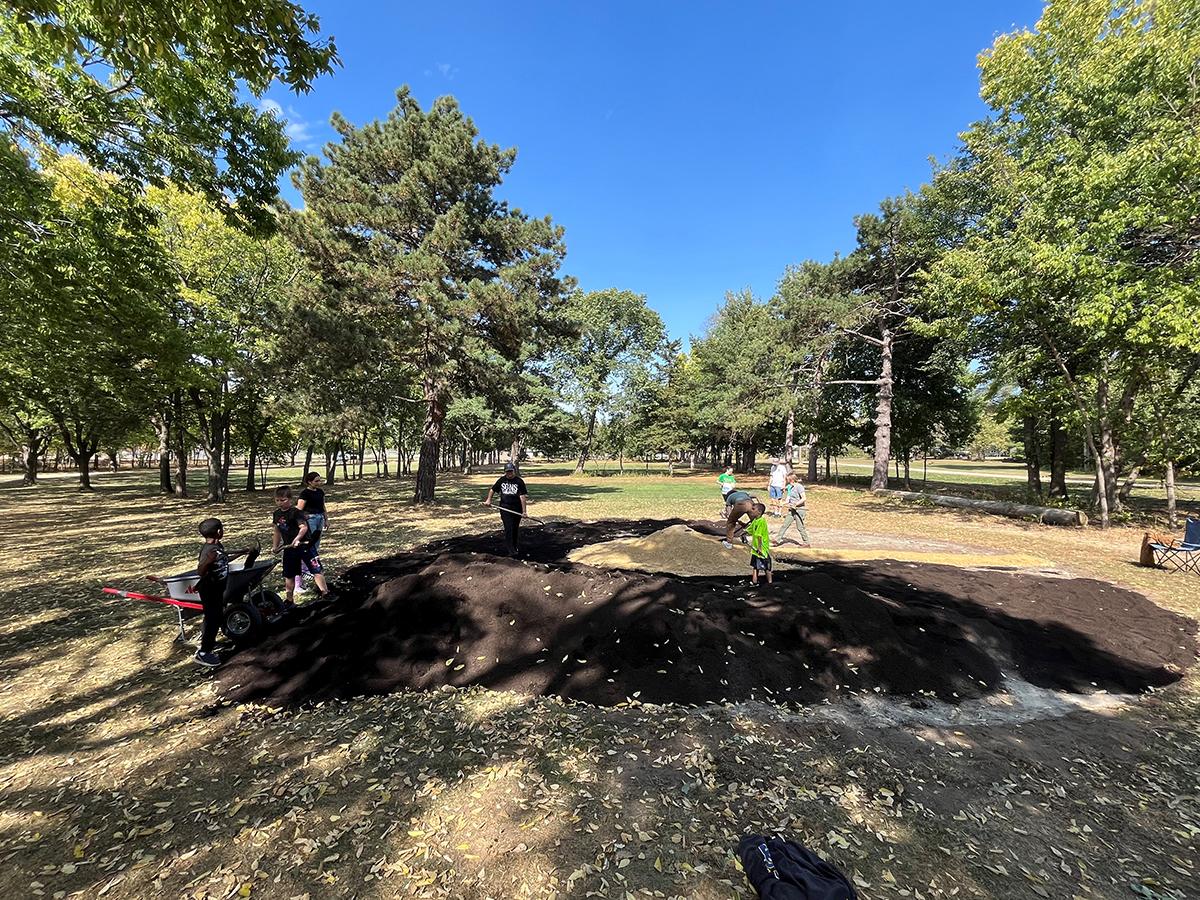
513, 498
213, 568
290, 529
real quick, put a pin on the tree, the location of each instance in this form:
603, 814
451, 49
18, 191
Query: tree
235, 293
618, 332
403, 224
151, 91
87, 330
736, 378
1084, 240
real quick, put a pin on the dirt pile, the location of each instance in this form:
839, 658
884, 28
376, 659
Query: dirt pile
454, 613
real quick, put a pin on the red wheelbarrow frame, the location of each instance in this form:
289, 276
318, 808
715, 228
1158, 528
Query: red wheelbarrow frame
180, 605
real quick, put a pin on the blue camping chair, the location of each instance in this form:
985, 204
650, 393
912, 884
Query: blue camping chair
1181, 557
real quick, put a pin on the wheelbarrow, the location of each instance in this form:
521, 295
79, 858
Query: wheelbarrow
249, 607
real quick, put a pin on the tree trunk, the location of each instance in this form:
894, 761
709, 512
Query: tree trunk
180, 446
252, 467
789, 434
1102, 398
226, 450
345, 472
216, 457
907, 478
362, 453
1130, 483
1108, 450
1045, 515
1033, 463
162, 425
431, 440
883, 414
29, 475
587, 444
330, 461
814, 453
1058, 459
1172, 517
308, 455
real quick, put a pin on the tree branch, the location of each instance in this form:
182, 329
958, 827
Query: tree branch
866, 337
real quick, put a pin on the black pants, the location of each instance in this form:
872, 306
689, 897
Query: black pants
212, 598
512, 527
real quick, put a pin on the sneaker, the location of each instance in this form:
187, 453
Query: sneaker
727, 545
209, 659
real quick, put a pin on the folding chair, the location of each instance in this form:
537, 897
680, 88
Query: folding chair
1181, 557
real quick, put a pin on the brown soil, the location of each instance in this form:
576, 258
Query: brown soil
454, 613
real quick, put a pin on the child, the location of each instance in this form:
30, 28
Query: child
727, 482
795, 505
213, 568
290, 529
760, 544
312, 503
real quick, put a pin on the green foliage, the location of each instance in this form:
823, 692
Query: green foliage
150, 91
88, 334
1080, 236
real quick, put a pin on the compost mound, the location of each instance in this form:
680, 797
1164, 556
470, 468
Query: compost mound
457, 613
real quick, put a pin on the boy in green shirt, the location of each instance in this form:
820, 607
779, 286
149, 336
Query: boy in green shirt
760, 543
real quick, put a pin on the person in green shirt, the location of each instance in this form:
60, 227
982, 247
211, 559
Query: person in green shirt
760, 543
727, 482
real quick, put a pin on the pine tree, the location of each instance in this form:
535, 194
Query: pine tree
402, 223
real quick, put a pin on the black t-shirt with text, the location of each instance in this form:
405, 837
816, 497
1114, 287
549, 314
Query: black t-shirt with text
288, 521
219, 570
511, 490
314, 500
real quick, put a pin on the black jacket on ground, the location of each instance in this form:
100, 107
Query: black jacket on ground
784, 870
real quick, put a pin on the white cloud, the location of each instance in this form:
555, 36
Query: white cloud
296, 127
447, 70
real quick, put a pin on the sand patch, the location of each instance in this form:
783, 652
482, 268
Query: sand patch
677, 550
683, 550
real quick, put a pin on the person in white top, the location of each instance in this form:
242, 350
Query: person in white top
775, 488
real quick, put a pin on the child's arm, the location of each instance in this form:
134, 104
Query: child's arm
207, 561
276, 538
301, 533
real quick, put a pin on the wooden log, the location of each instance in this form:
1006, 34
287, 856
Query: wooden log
1047, 515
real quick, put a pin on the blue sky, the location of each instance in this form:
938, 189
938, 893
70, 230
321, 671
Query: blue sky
687, 148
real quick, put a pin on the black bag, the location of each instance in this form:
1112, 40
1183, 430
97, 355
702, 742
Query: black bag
780, 869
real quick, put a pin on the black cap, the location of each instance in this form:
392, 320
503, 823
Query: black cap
509, 467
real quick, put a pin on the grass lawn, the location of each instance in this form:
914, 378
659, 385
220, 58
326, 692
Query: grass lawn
122, 775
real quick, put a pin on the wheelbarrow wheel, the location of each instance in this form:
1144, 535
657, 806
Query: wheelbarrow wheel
243, 623
269, 603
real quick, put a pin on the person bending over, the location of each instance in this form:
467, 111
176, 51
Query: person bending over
737, 504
